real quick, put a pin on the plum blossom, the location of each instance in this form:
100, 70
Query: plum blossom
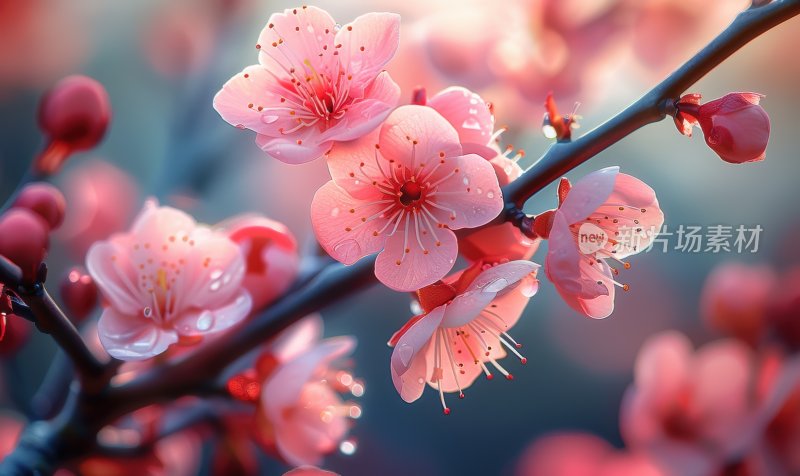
463, 327
690, 410
606, 216
316, 83
401, 191
165, 280
270, 253
735, 126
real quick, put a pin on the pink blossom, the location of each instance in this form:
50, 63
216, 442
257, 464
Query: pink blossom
309, 471
299, 405
403, 190
316, 83
606, 217
581, 454
735, 300
735, 126
464, 326
167, 278
690, 410
270, 253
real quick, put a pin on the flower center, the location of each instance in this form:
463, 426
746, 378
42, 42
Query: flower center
410, 193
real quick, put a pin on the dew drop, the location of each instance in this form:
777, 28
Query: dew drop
405, 352
205, 321
420, 380
347, 251
216, 274
471, 123
337, 27
466, 181
496, 286
479, 190
147, 311
490, 194
335, 212
269, 119
215, 286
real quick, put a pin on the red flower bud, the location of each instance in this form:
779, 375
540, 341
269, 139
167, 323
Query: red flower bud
78, 293
74, 116
735, 126
45, 200
15, 335
24, 240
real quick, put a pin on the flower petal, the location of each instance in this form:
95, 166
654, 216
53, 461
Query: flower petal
355, 165
409, 365
467, 112
471, 196
306, 32
404, 265
366, 114
132, 337
416, 135
110, 266
369, 42
207, 321
588, 194
299, 148
243, 99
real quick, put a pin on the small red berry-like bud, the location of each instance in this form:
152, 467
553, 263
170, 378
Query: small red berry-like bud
735, 126
419, 96
24, 240
45, 200
74, 116
15, 335
78, 293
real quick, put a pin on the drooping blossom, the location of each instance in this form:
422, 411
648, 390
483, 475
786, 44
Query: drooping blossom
270, 253
735, 300
691, 410
296, 384
463, 328
604, 218
166, 279
316, 83
735, 126
582, 454
401, 191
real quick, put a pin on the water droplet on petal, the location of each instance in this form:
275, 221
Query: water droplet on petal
405, 352
337, 27
215, 286
347, 251
529, 287
471, 123
205, 321
479, 190
416, 308
269, 119
147, 311
466, 181
496, 286
216, 274
335, 212
490, 194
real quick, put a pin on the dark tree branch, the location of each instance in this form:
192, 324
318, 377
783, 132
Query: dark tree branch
72, 433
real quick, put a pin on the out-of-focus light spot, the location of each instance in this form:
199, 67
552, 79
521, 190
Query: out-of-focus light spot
347, 447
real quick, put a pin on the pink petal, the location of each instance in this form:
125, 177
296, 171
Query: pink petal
355, 165
409, 365
110, 266
305, 32
331, 218
209, 320
412, 270
309, 471
473, 194
510, 305
467, 112
588, 194
297, 339
435, 137
366, 114
242, 99
662, 368
463, 363
378, 34
132, 337
154, 223
213, 272
298, 148
284, 387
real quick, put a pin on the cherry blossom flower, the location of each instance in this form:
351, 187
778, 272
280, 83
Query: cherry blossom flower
735, 126
463, 327
167, 278
403, 190
606, 216
581, 454
316, 83
735, 300
690, 410
270, 253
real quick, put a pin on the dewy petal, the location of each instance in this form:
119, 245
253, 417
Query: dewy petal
354, 166
132, 337
403, 266
473, 194
154, 223
111, 268
342, 232
283, 388
368, 43
242, 100
305, 32
588, 194
212, 274
435, 138
206, 321
467, 112
298, 148
365, 115
409, 365
575, 279
297, 339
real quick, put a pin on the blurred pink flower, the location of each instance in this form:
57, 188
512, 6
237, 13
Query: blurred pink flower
403, 190
309, 471
463, 327
300, 408
581, 454
735, 299
785, 307
11, 426
606, 216
165, 279
102, 200
270, 254
316, 84
690, 410
735, 126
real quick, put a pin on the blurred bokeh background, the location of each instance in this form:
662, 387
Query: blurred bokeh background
162, 63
